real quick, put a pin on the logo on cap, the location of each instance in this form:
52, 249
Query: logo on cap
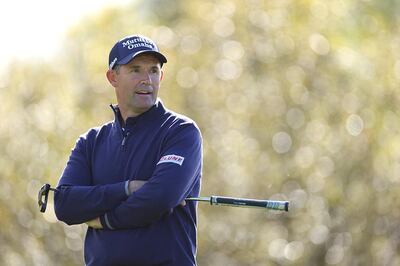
113, 63
138, 42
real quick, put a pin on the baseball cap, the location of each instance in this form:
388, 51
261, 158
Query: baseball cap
131, 46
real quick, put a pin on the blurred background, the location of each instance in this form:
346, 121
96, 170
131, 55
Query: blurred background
296, 99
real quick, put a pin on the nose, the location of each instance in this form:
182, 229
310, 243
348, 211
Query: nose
146, 79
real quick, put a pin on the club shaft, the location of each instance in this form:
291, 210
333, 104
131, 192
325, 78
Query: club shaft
243, 202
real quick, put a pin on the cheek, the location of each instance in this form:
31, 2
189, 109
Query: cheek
127, 85
156, 81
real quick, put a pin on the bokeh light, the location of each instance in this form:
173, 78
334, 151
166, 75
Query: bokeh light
296, 100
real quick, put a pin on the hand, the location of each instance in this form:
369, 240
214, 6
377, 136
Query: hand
181, 204
135, 185
95, 223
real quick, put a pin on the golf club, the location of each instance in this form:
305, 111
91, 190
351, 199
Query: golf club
243, 202
43, 196
213, 200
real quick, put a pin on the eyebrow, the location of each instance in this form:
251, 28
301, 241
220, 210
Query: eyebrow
156, 65
138, 66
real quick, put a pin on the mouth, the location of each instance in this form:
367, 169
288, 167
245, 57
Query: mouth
143, 92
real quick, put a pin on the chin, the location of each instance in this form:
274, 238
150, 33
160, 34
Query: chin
144, 107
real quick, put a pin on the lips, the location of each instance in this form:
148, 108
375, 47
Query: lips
143, 92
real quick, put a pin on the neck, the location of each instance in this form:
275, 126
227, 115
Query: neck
125, 114
129, 113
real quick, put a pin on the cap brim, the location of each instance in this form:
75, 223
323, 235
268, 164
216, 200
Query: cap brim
130, 57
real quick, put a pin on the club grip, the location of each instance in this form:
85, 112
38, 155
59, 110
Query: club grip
240, 202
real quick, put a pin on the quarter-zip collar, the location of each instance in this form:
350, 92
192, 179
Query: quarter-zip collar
151, 115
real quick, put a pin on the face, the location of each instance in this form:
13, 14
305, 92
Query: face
136, 84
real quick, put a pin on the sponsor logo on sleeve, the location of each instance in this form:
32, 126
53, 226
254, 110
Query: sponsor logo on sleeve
172, 158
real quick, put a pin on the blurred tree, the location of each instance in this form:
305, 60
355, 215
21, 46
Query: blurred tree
296, 100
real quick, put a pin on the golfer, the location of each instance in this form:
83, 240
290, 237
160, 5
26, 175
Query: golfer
127, 179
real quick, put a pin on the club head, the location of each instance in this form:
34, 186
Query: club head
42, 197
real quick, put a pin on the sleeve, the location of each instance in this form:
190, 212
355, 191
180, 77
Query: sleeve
176, 172
76, 200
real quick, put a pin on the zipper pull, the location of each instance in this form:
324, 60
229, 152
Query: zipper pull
125, 138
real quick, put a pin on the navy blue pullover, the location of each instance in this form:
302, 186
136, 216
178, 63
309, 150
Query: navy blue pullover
148, 227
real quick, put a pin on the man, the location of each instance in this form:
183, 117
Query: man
127, 179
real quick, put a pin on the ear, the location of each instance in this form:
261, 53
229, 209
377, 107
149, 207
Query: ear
161, 75
111, 76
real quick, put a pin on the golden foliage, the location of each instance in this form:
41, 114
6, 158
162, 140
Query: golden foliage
297, 100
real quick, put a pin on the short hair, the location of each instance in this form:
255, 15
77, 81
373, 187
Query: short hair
116, 68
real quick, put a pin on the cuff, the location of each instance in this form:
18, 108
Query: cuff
127, 188
105, 222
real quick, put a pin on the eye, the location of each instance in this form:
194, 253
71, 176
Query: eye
155, 70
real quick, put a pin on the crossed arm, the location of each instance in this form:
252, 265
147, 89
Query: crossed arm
132, 187
115, 206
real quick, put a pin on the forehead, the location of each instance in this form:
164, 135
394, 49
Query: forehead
146, 58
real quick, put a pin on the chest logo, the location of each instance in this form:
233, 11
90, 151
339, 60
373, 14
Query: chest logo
171, 158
